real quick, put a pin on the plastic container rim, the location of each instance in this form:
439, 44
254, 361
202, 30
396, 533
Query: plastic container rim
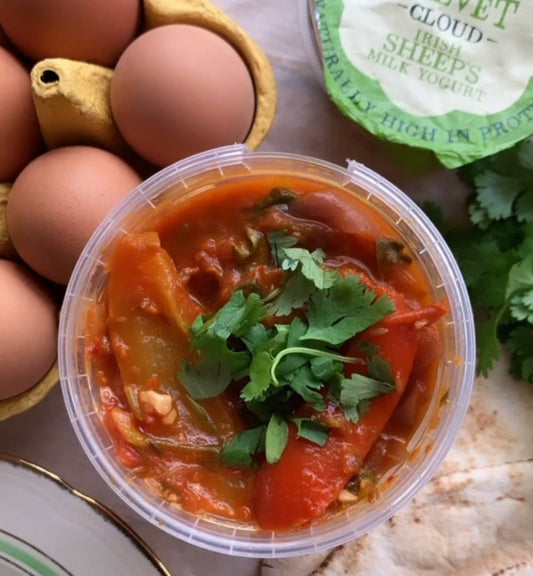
313, 538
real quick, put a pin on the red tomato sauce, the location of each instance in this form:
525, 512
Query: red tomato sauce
188, 263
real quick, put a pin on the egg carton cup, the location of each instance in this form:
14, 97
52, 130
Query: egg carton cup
72, 103
72, 98
32, 397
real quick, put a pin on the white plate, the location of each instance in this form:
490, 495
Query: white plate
49, 529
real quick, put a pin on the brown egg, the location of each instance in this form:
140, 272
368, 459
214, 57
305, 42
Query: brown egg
180, 89
58, 201
20, 136
28, 329
4, 40
89, 30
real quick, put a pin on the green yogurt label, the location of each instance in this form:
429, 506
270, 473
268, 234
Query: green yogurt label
452, 76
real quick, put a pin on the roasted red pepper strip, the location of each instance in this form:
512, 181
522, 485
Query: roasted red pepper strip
309, 477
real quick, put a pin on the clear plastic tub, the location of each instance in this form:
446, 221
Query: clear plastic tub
430, 443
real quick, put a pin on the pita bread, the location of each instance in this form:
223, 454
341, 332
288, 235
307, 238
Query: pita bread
475, 518
473, 523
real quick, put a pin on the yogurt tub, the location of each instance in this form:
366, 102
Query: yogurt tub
435, 78
411, 160
205, 174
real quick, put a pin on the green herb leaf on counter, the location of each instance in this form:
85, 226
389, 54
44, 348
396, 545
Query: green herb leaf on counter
495, 254
519, 343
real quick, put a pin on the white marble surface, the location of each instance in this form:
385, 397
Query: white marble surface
306, 122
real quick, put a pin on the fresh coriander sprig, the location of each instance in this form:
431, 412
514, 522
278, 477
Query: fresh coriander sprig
295, 359
307, 273
495, 254
357, 391
309, 352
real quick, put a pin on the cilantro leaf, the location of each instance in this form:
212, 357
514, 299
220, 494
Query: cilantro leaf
366, 347
347, 308
478, 215
308, 276
524, 152
260, 379
519, 343
256, 337
295, 293
521, 306
524, 243
260, 367
497, 193
236, 317
524, 207
276, 438
325, 368
309, 264
279, 240
307, 386
521, 276
291, 362
205, 380
520, 290
485, 268
277, 400
312, 430
380, 369
357, 391
239, 452
216, 349
494, 255
488, 344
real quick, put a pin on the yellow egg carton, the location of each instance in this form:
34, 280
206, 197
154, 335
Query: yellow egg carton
26, 400
72, 100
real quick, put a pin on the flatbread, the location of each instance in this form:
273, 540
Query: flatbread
475, 517
473, 523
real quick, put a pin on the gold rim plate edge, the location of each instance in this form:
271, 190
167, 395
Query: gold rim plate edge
104, 511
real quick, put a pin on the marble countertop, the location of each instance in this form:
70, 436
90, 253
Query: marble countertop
307, 123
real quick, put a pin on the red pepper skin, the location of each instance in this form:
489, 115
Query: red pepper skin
309, 477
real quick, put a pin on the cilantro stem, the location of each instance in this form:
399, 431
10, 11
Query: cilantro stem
310, 352
272, 296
